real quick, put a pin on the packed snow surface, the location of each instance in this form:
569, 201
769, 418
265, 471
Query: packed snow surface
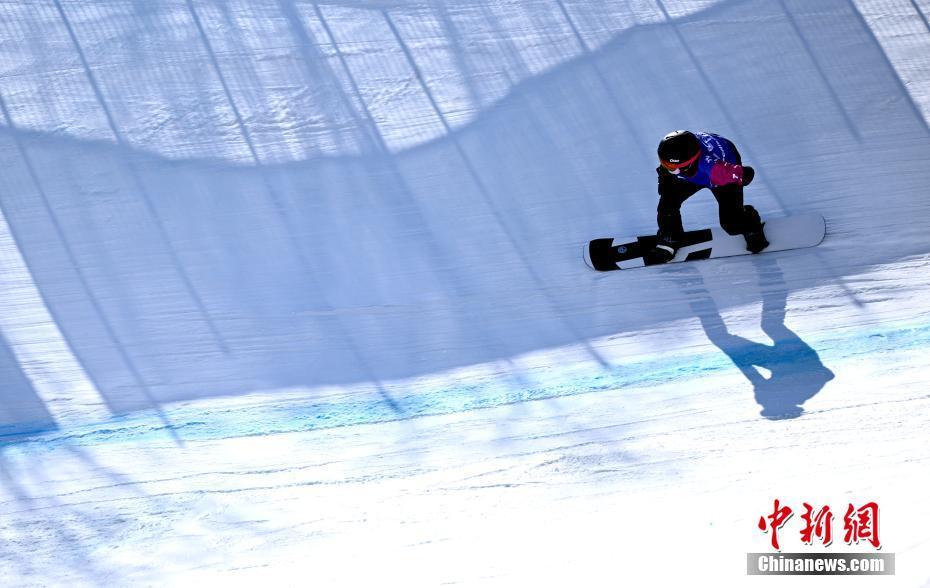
292, 291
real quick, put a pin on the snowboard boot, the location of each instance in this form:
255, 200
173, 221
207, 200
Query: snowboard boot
755, 236
663, 252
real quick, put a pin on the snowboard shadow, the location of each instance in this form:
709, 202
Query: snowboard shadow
796, 373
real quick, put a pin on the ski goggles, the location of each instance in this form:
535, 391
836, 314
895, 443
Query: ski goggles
677, 167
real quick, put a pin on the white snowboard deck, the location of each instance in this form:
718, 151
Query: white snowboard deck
790, 232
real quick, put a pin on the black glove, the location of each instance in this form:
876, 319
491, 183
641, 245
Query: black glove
659, 254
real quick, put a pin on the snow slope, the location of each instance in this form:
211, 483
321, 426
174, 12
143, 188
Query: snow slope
294, 290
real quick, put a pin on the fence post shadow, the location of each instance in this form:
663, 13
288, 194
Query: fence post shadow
796, 372
21, 407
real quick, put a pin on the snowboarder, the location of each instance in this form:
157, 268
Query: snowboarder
691, 161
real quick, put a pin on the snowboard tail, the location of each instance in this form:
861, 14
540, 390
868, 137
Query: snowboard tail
790, 232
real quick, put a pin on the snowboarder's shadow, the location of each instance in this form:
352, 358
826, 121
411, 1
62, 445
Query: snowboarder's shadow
796, 373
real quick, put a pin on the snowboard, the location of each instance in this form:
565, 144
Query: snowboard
789, 232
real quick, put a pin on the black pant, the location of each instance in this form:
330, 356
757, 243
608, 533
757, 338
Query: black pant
733, 218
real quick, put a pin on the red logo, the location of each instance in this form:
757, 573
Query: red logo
859, 524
